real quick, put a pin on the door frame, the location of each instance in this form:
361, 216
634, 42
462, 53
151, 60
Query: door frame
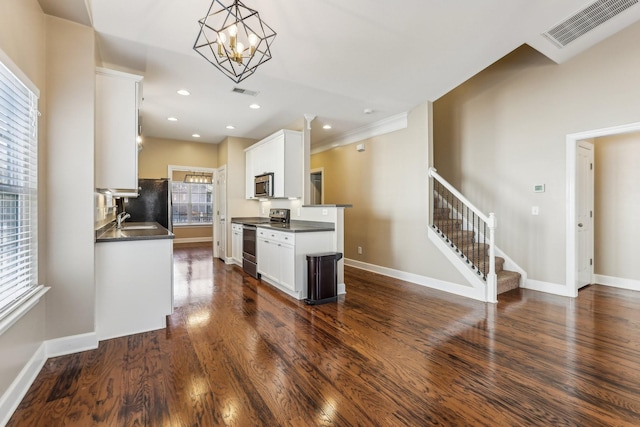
572, 141
586, 144
172, 168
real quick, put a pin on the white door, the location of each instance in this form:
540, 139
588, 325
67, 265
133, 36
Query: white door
584, 213
220, 225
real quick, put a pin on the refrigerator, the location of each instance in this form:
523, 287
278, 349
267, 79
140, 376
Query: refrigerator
153, 203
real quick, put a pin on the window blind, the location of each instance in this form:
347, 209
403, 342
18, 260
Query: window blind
18, 189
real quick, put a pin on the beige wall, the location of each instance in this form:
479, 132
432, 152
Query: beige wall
505, 130
232, 155
70, 188
23, 39
158, 154
388, 187
617, 203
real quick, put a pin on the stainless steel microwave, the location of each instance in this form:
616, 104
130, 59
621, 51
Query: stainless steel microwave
263, 185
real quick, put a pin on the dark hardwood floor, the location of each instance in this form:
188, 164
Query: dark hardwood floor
237, 352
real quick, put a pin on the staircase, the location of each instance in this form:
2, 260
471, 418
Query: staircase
466, 236
474, 253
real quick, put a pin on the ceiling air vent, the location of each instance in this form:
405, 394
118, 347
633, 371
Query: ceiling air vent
244, 91
586, 20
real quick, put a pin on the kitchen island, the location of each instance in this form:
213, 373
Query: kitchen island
134, 278
282, 247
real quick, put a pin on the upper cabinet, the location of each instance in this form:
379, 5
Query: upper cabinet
280, 154
116, 149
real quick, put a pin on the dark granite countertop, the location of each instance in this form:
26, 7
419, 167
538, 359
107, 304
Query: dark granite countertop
250, 220
344, 205
132, 231
292, 227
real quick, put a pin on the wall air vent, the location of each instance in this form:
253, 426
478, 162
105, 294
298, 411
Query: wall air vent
244, 91
586, 20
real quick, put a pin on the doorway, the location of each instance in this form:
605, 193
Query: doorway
584, 212
573, 141
193, 204
317, 187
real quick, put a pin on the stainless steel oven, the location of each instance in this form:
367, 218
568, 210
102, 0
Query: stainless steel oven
263, 185
249, 260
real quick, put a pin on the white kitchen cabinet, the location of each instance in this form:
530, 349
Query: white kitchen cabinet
236, 243
116, 145
280, 154
134, 286
282, 257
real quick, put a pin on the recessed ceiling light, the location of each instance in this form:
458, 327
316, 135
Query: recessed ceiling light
196, 135
231, 127
368, 111
254, 106
184, 92
172, 119
326, 127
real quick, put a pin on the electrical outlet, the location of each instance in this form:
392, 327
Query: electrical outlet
359, 250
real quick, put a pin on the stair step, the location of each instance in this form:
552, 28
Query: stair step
441, 213
508, 280
461, 237
475, 251
447, 225
484, 265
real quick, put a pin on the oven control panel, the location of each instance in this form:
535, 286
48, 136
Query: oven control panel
280, 215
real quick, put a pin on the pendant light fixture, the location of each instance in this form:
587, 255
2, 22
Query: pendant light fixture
197, 178
234, 39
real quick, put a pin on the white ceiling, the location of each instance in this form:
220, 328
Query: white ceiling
331, 58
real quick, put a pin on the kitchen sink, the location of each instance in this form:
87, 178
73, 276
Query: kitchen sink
138, 227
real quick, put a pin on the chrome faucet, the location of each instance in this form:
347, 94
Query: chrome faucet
120, 219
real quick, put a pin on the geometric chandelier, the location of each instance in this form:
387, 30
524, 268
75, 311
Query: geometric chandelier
234, 39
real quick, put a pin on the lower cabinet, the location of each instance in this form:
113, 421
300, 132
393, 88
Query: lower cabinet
134, 286
282, 257
236, 243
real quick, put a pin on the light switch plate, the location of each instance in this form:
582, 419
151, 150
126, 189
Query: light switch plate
535, 210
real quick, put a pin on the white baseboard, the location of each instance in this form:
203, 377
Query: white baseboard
12, 397
193, 240
617, 282
548, 287
232, 261
72, 344
441, 285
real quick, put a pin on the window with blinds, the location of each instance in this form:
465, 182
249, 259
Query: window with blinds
192, 203
18, 190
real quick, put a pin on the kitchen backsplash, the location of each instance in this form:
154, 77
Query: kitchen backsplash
105, 209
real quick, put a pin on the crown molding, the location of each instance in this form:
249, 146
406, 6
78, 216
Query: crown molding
381, 127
